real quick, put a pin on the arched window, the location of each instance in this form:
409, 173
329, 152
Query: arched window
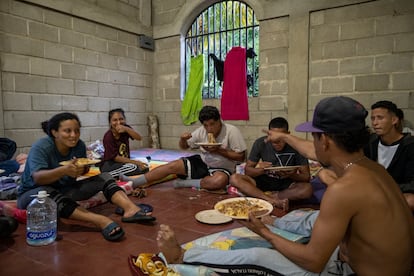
213, 33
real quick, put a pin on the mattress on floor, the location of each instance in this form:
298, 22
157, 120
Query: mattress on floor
164, 155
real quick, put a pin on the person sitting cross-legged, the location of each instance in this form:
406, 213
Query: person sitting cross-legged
209, 170
283, 185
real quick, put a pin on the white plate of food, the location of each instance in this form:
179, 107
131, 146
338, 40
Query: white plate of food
240, 207
206, 144
81, 162
282, 168
212, 217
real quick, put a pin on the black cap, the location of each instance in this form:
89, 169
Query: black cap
336, 115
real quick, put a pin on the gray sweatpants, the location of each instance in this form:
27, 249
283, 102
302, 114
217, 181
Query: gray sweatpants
266, 261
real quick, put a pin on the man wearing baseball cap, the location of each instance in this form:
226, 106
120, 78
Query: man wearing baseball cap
363, 226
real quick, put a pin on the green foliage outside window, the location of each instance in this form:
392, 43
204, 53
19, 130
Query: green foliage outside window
215, 31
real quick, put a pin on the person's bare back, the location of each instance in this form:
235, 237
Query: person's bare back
377, 240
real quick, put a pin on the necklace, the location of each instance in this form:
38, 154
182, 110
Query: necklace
353, 162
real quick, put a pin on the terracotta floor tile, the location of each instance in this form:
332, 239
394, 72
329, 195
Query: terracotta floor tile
81, 249
14, 263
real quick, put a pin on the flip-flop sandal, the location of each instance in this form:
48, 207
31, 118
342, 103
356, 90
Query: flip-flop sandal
138, 217
7, 226
146, 208
111, 235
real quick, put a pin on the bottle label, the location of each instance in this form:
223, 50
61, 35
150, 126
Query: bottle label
41, 235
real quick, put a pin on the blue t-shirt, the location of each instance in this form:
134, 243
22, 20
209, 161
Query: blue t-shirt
44, 155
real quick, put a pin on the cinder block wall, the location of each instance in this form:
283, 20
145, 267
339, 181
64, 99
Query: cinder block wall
273, 86
53, 61
83, 56
365, 51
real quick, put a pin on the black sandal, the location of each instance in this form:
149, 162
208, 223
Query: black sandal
7, 226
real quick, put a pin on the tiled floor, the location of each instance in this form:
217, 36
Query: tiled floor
81, 249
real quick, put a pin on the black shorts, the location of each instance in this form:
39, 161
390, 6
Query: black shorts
197, 169
267, 183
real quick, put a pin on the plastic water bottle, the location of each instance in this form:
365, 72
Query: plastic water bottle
41, 223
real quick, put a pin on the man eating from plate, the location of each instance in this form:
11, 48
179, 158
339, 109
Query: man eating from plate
267, 173
212, 167
364, 226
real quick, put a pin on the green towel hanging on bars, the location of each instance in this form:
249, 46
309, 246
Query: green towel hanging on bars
193, 102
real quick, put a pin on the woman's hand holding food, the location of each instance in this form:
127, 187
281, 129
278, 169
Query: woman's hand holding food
75, 169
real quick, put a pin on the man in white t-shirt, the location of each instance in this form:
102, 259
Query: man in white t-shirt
212, 167
392, 148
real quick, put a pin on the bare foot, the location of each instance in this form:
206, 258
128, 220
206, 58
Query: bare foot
168, 245
284, 204
280, 203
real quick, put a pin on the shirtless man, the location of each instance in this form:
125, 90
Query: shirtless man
389, 146
364, 226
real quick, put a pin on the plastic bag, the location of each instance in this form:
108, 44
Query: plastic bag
95, 150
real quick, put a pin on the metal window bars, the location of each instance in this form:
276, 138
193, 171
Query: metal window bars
216, 30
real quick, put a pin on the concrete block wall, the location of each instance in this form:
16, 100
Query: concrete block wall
53, 62
82, 56
365, 51
273, 87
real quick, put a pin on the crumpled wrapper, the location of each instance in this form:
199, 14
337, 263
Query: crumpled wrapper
151, 264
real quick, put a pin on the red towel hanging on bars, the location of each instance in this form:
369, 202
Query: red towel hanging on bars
234, 102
